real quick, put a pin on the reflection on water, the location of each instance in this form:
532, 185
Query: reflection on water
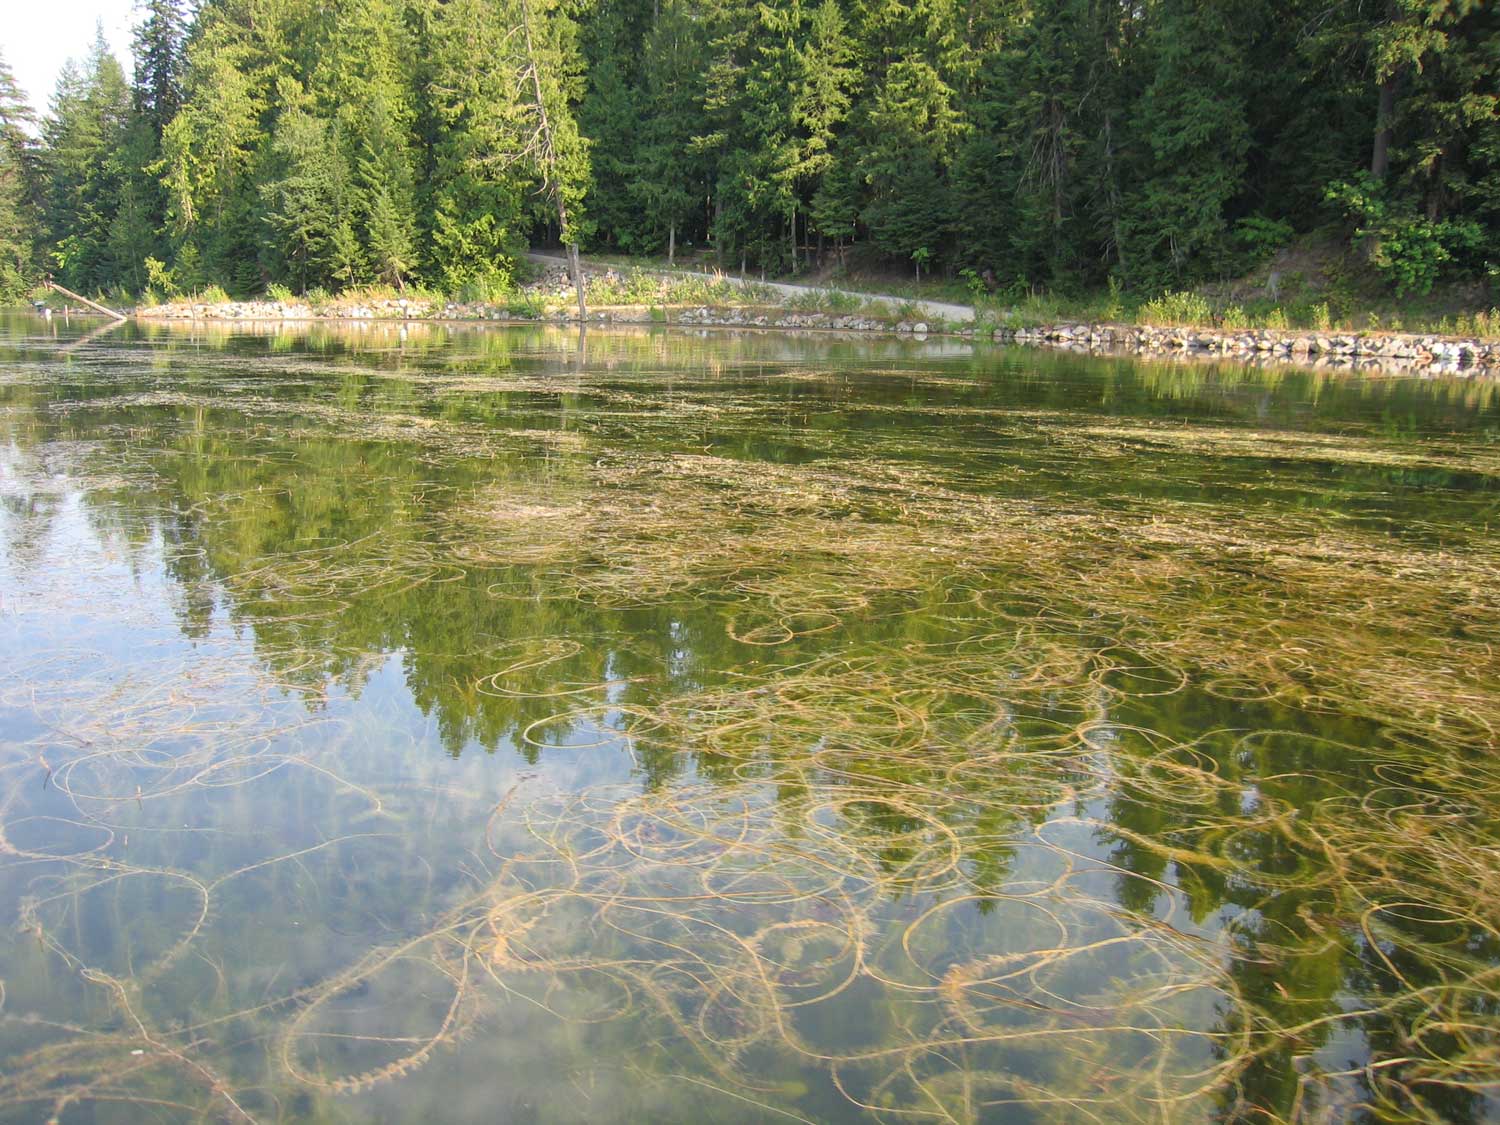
508, 726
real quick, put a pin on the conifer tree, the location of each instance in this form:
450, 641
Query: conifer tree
546, 61
158, 46
1053, 142
19, 188
85, 135
364, 81
477, 206
1193, 131
667, 169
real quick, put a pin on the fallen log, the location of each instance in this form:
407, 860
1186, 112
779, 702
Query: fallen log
91, 304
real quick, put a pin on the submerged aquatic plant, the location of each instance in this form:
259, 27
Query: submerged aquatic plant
994, 757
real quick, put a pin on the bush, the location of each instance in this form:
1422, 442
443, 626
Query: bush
1114, 309
1177, 308
211, 295
973, 283
1260, 237
493, 287
522, 307
1406, 248
279, 293
159, 279
1234, 319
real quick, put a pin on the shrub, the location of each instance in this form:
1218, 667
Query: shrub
491, 287
1114, 309
279, 293
1406, 248
1234, 319
973, 282
522, 307
159, 278
211, 295
1177, 308
1260, 237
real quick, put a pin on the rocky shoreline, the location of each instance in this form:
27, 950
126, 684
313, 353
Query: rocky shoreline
1441, 354
1365, 351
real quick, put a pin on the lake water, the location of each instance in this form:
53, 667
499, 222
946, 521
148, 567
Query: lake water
502, 726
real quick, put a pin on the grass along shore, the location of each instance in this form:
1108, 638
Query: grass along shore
636, 291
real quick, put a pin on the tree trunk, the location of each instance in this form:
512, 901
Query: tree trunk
671, 244
548, 162
714, 227
1380, 153
794, 237
577, 267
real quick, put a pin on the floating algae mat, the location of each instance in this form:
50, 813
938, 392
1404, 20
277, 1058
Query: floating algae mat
509, 727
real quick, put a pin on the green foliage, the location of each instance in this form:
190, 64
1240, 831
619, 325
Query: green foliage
1194, 119
1045, 146
159, 280
1115, 309
1260, 237
973, 282
1179, 308
19, 190
1409, 250
1234, 318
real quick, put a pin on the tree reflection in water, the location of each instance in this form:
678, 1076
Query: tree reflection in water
870, 732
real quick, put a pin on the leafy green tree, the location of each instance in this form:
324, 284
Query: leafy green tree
158, 46
478, 199
909, 137
668, 173
308, 202
1409, 249
1192, 122
85, 138
19, 188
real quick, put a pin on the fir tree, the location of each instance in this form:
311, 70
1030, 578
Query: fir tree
1193, 128
19, 188
158, 47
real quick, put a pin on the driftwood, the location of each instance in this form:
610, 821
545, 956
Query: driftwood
111, 313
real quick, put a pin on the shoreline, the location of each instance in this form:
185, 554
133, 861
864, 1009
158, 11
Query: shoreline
1413, 353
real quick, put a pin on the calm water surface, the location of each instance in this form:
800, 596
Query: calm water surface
508, 727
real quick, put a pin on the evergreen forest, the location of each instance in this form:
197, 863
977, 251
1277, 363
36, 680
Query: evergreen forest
1055, 144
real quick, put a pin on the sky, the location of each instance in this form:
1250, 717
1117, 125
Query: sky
38, 36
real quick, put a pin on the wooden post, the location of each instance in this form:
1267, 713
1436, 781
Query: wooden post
91, 304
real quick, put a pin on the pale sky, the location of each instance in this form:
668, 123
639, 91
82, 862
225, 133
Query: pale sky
38, 36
